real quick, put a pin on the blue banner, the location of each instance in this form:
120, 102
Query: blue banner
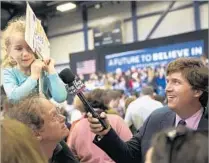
153, 56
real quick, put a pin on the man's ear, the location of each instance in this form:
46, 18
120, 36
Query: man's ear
198, 93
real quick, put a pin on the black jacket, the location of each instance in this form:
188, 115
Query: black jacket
63, 154
135, 149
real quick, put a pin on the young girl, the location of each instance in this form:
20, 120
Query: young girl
22, 70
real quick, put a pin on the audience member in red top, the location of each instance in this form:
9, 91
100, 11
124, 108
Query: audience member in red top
80, 137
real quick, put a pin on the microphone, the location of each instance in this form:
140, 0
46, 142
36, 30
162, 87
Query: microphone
75, 87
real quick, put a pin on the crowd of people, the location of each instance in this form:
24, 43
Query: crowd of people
131, 81
142, 128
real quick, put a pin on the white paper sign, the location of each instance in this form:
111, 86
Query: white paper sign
35, 35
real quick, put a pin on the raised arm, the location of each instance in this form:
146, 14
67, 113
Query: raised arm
56, 86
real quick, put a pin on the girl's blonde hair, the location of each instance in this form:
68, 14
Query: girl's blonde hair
15, 25
18, 143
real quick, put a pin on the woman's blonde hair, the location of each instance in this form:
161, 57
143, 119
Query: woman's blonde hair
18, 144
15, 25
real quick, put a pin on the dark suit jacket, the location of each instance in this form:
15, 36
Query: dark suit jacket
63, 154
135, 149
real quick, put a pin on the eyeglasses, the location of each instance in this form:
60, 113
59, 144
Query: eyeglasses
58, 109
56, 116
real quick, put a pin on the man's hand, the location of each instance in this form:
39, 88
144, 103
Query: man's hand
95, 125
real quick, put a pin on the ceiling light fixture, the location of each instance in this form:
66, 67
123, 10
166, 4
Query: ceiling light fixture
66, 7
97, 6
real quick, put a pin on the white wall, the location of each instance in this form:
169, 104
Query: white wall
181, 3
90, 40
148, 7
60, 67
127, 30
65, 23
145, 25
175, 22
61, 46
204, 16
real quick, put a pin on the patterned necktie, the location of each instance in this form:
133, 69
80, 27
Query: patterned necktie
182, 122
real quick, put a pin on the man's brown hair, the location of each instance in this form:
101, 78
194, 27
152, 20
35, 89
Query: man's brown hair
183, 65
195, 72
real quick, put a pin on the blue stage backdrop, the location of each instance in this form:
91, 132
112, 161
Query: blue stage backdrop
153, 56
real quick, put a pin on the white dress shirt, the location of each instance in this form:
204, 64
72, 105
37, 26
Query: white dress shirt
140, 109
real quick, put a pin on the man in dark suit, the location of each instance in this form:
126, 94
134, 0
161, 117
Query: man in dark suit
187, 96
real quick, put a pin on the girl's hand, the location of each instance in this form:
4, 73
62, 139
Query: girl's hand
49, 66
36, 68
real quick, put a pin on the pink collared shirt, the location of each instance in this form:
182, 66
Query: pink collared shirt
193, 121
